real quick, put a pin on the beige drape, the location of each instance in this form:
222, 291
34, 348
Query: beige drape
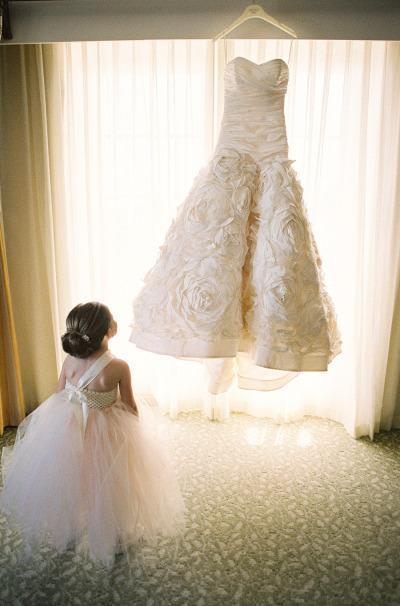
11, 398
27, 198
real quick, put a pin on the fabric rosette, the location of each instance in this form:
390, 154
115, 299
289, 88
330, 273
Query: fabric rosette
279, 174
241, 201
210, 210
230, 241
234, 168
289, 302
227, 165
146, 309
288, 231
204, 298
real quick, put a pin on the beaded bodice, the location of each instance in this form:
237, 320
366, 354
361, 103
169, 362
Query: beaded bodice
96, 399
85, 398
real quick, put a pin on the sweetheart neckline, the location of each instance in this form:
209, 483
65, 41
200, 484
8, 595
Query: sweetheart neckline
259, 65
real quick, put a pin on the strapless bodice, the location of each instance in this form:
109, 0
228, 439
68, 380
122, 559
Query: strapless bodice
246, 78
254, 121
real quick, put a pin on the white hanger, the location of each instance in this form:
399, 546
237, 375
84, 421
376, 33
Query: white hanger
255, 11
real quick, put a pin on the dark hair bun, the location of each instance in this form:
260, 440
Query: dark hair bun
74, 344
87, 324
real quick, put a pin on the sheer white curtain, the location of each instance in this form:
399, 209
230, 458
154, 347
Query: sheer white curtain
139, 121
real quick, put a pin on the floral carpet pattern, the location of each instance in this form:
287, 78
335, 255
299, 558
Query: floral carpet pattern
289, 514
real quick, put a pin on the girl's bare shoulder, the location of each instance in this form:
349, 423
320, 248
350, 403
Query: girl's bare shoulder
119, 366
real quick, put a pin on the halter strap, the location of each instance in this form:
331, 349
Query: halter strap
95, 369
75, 395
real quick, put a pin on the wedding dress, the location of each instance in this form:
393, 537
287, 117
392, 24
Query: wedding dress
239, 274
86, 472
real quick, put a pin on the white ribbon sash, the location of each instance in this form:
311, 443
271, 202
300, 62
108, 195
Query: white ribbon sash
75, 395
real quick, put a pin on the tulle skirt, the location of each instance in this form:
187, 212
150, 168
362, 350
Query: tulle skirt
101, 491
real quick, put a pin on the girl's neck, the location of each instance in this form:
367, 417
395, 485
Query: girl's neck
99, 352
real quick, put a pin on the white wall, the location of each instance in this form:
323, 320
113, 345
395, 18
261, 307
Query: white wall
58, 20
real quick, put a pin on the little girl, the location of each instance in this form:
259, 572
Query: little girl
87, 468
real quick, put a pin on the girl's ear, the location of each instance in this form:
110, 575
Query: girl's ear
113, 329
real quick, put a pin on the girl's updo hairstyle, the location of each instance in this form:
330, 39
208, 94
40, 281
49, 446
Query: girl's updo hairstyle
87, 323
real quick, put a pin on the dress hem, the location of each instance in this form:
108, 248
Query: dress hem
229, 348
186, 348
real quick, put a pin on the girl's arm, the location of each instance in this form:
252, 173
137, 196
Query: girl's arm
125, 388
62, 379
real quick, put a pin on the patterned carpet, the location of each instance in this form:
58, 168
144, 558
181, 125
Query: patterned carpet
277, 515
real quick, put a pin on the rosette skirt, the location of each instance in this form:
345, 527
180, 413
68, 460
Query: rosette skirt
239, 271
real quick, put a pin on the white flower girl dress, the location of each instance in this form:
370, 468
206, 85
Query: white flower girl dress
84, 470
